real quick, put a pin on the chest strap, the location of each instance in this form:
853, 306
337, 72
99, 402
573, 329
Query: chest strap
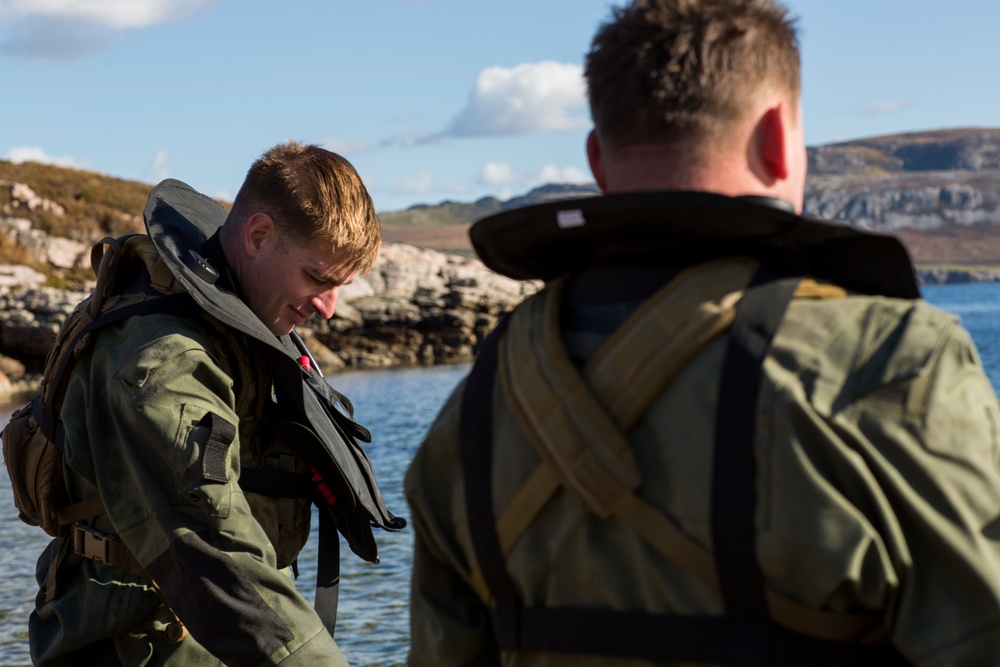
746, 635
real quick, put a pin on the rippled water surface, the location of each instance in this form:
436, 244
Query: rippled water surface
978, 306
397, 406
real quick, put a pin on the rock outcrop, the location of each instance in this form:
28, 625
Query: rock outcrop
415, 307
39, 246
922, 181
918, 200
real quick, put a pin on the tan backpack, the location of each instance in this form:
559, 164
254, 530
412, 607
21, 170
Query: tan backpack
32, 439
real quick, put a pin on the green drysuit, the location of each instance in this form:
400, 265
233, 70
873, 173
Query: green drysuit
878, 488
137, 432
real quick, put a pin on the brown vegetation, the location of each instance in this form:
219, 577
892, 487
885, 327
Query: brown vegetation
446, 238
976, 245
95, 205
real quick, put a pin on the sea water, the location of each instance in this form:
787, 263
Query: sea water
398, 407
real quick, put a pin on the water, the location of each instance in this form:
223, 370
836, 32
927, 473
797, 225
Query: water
979, 307
398, 407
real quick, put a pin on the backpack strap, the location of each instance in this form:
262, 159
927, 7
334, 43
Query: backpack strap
738, 638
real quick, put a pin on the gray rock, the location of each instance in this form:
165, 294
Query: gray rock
14, 277
416, 307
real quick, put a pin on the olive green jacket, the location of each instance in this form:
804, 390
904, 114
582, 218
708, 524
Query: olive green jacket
878, 489
136, 415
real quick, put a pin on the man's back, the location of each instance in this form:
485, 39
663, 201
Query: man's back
821, 469
874, 425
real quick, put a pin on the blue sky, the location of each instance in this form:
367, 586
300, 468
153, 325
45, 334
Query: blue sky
430, 99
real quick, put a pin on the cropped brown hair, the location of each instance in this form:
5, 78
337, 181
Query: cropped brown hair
313, 195
661, 71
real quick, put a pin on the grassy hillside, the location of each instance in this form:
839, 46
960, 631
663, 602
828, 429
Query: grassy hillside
95, 205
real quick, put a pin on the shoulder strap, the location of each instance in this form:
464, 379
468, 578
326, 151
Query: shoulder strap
740, 638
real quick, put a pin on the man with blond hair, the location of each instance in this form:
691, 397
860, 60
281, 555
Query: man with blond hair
198, 425
723, 433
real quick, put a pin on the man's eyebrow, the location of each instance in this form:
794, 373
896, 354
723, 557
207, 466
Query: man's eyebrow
329, 279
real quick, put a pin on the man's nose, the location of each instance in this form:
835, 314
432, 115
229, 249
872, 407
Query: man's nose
325, 303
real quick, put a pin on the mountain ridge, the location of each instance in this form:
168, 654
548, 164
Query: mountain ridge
939, 190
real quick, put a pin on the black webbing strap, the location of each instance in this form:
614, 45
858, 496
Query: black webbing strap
736, 639
723, 640
216, 450
477, 444
278, 483
327, 570
734, 483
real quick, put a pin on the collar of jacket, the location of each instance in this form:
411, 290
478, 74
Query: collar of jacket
179, 219
564, 237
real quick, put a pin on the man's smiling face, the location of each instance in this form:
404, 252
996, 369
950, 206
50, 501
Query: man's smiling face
287, 280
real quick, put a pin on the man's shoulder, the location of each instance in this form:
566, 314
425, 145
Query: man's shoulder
857, 344
909, 323
163, 325
155, 337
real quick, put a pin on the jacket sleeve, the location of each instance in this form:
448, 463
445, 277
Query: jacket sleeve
449, 625
166, 459
944, 484
883, 470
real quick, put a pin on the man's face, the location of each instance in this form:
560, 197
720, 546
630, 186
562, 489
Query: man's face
289, 281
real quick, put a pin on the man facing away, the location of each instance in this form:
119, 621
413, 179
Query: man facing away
166, 415
722, 433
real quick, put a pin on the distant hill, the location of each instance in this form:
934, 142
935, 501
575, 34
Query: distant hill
455, 213
966, 149
443, 226
938, 190
71, 203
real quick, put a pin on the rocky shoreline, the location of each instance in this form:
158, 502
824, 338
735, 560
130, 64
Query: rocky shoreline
957, 276
416, 307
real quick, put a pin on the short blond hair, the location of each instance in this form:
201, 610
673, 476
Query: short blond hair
313, 195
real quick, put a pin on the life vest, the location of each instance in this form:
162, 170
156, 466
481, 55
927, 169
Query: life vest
314, 421
577, 420
315, 417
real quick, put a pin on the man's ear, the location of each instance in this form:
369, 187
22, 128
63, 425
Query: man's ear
258, 232
595, 156
772, 142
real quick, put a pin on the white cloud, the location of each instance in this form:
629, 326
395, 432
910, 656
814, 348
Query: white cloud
498, 173
529, 98
347, 147
420, 184
158, 169
550, 173
19, 154
55, 30
502, 175
117, 14
888, 106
